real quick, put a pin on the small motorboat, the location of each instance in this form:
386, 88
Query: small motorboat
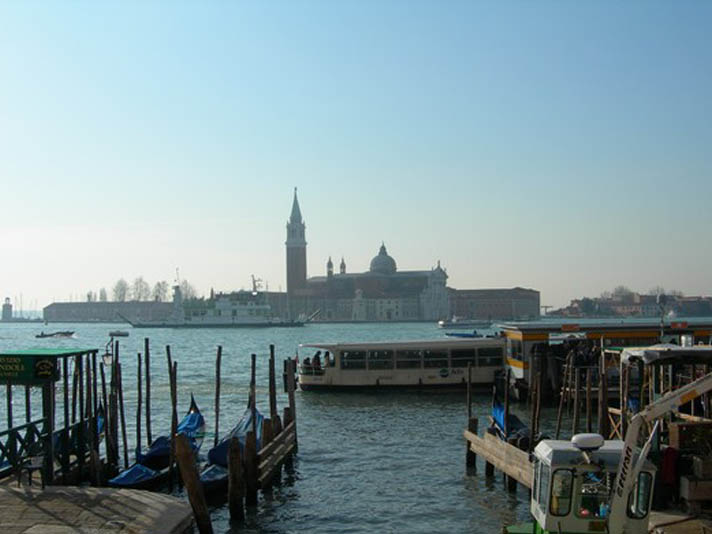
461, 322
61, 333
150, 470
118, 333
214, 475
463, 334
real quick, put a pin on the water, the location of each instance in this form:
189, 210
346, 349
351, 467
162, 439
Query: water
373, 461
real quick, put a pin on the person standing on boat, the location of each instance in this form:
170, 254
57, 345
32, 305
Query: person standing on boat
316, 361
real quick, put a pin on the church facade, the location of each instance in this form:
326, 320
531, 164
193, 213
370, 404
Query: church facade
383, 293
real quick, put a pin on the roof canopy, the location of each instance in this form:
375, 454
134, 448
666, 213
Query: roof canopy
665, 353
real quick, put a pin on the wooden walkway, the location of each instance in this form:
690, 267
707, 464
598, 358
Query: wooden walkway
64, 510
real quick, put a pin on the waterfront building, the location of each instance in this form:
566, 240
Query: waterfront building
7, 310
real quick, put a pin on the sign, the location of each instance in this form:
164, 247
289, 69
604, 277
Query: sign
28, 370
569, 328
678, 324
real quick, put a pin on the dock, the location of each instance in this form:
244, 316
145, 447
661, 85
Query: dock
65, 509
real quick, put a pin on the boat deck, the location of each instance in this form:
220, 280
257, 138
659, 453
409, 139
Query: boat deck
64, 509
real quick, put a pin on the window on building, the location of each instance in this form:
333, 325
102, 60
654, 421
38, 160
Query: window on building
408, 359
435, 358
380, 359
353, 360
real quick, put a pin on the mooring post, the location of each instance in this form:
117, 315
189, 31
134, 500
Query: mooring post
251, 468
218, 360
292, 403
123, 416
266, 439
174, 417
577, 401
87, 443
75, 374
511, 481
48, 391
147, 353
139, 404
532, 410
287, 417
470, 456
65, 434
189, 475
276, 431
489, 468
235, 481
272, 385
589, 415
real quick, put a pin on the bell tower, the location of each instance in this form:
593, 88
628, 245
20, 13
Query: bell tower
296, 249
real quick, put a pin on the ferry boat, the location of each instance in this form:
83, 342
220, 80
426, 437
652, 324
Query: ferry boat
222, 310
460, 322
400, 364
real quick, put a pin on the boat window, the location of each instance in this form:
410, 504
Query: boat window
594, 494
562, 484
380, 359
461, 357
640, 496
408, 359
434, 358
514, 349
353, 359
489, 356
544, 485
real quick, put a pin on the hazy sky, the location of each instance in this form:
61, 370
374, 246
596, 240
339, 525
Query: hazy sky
564, 146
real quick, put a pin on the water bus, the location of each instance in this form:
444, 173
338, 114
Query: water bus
399, 364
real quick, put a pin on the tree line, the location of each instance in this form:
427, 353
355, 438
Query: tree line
141, 290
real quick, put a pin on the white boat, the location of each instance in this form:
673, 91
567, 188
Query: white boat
399, 364
461, 322
222, 310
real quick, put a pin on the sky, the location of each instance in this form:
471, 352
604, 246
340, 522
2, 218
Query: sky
562, 146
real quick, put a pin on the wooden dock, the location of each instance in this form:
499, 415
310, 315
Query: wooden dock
64, 509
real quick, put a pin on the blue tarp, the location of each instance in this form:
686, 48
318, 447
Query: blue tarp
515, 424
218, 454
134, 475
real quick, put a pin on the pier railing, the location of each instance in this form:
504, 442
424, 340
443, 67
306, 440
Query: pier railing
19, 443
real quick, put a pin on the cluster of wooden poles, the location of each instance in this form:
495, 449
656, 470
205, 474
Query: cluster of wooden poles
250, 469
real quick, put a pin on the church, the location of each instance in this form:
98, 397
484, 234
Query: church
383, 293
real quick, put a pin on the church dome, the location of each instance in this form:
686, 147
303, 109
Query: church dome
383, 263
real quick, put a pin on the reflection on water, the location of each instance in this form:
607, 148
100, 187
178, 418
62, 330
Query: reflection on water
369, 461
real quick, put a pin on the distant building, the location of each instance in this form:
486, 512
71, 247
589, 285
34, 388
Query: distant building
7, 310
107, 312
636, 305
383, 293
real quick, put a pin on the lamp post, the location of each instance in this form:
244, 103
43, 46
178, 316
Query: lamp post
662, 301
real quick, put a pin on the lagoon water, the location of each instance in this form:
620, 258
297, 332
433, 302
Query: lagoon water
367, 462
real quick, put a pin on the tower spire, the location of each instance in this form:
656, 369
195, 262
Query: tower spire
296, 216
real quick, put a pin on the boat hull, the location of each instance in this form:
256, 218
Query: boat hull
217, 325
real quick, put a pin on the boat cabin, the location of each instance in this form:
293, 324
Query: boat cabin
573, 482
425, 363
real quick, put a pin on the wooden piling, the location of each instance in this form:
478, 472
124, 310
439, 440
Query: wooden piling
287, 418
80, 430
218, 361
189, 475
577, 401
276, 431
28, 405
107, 415
589, 421
292, 403
272, 385
267, 437
65, 434
471, 457
506, 402
75, 374
235, 481
564, 394
172, 368
122, 415
532, 414
139, 403
251, 469
147, 356
95, 405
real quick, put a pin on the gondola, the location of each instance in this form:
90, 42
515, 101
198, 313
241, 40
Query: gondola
150, 470
214, 475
